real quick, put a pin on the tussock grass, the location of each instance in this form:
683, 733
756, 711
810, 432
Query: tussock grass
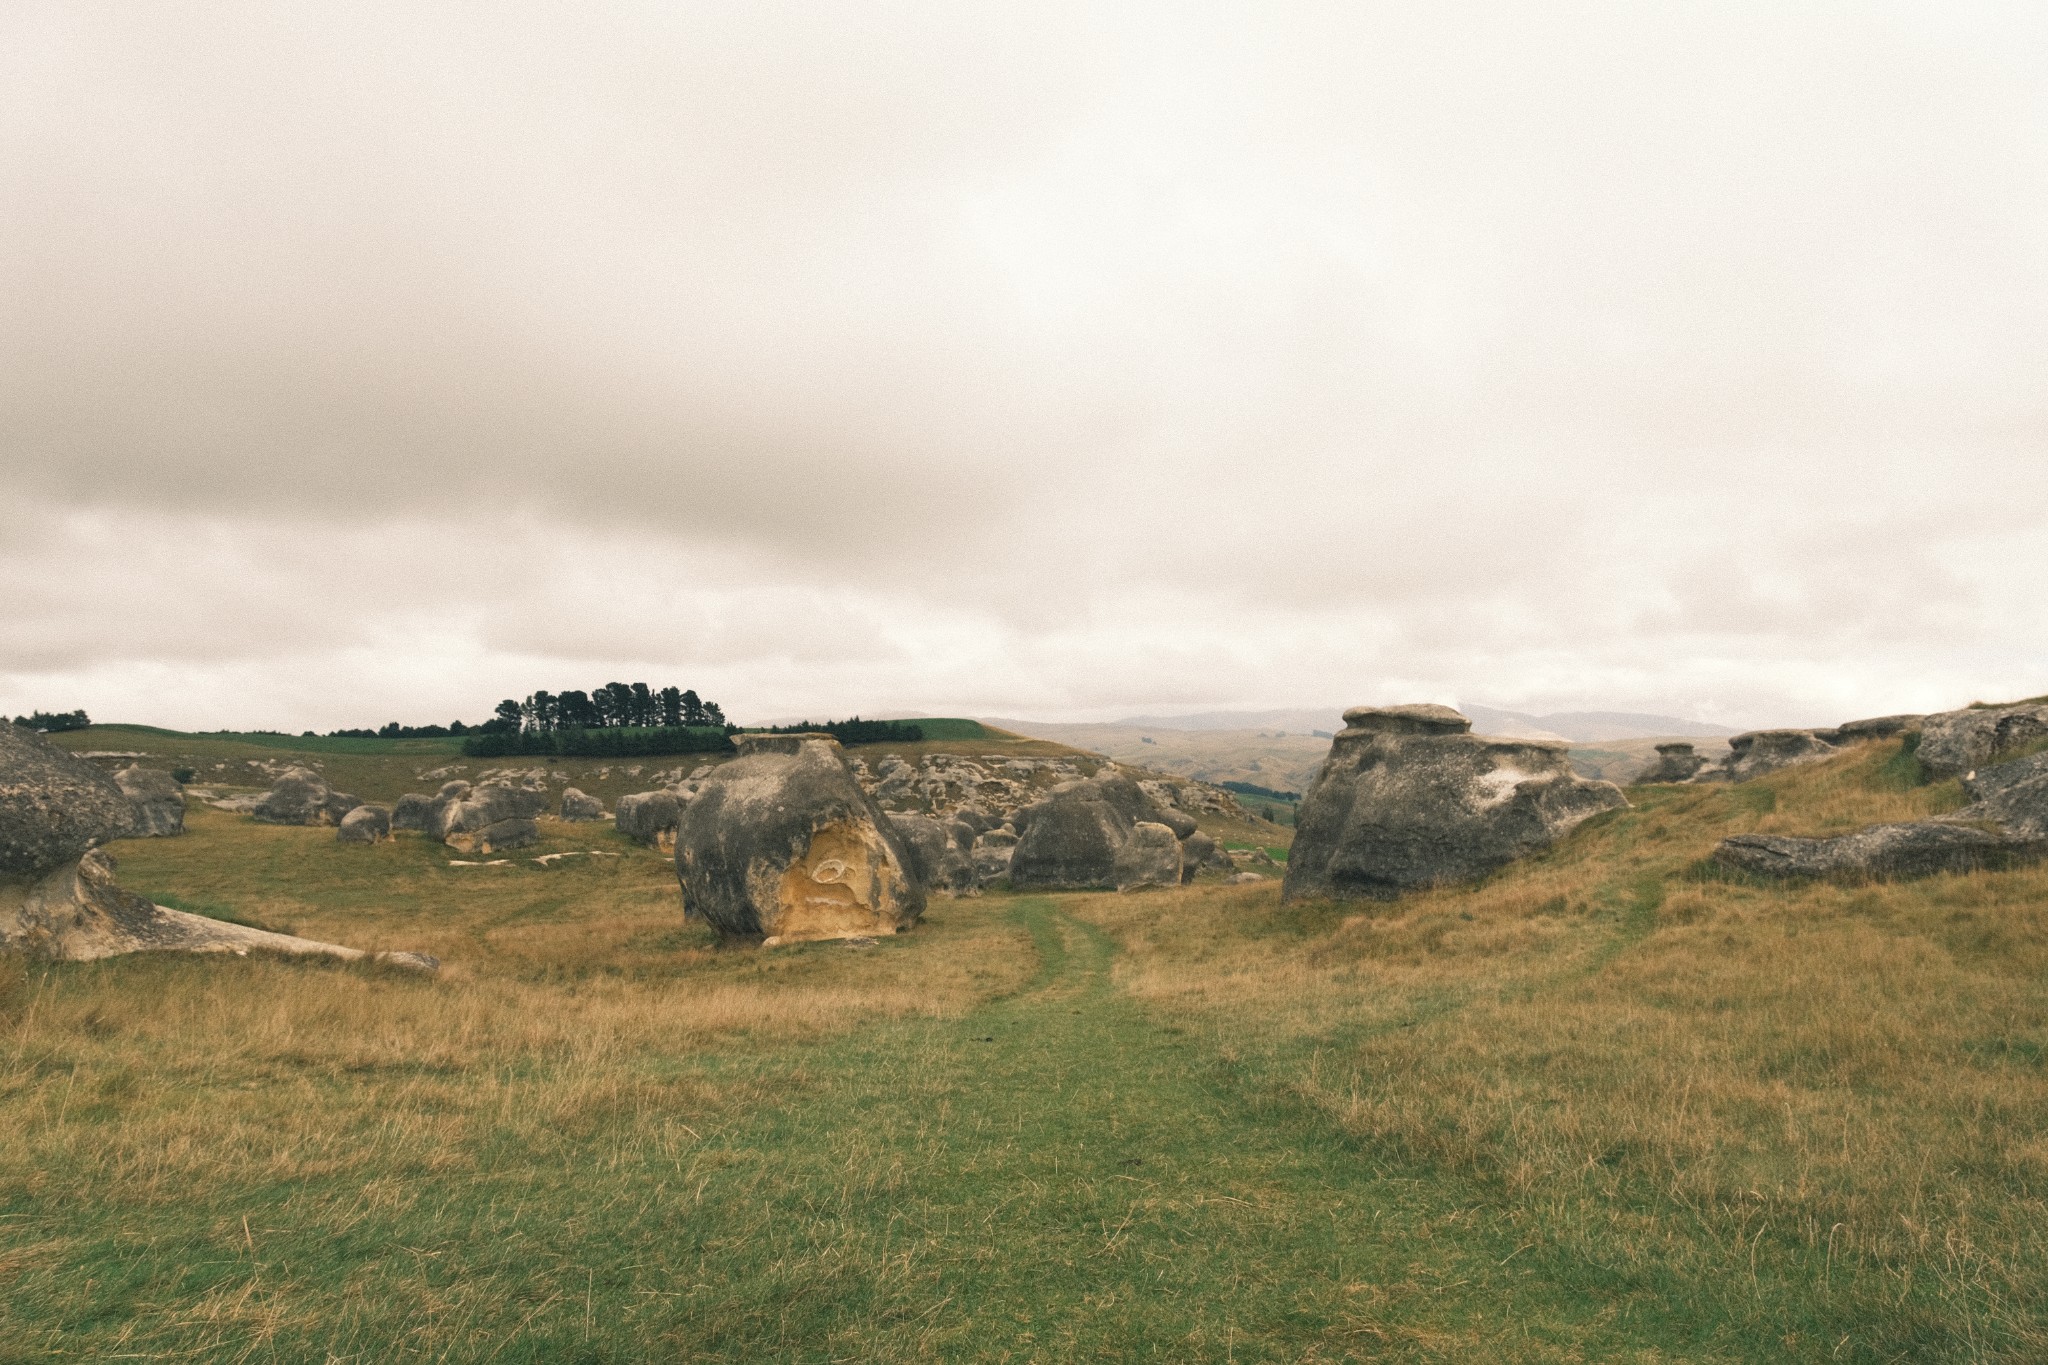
1817, 1107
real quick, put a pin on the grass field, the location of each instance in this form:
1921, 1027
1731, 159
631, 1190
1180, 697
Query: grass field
1605, 1106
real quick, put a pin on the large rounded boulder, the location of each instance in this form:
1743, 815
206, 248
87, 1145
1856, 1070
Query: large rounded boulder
782, 845
1409, 798
157, 800
53, 806
301, 796
488, 818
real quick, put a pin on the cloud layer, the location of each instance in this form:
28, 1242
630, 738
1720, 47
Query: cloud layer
1055, 362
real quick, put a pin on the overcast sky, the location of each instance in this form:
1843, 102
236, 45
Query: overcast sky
1065, 361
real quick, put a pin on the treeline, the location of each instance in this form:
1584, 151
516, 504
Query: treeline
615, 706
1254, 789
612, 742
393, 730
53, 722
854, 731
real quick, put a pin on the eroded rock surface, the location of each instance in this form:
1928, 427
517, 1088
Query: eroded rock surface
576, 806
1150, 857
781, 844
649, 817
364, 825
1676, 762
1957, 742
301, 796
53, 807
1409, 798
1768, 751
488, 818
156, 799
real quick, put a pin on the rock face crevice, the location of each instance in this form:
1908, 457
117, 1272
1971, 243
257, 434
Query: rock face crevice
1409, 798
781, 844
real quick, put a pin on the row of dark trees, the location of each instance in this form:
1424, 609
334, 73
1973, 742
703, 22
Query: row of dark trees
393, 730
53, 722
615, 706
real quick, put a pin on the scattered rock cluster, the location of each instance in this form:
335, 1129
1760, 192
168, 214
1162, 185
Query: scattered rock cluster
1761, 752
1409, 798
782, 845
59, 895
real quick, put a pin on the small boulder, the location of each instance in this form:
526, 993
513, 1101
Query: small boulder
301, 796
1408, 798
157, 800
578, 807
364, 825
781, 845
1150, 857
649, 818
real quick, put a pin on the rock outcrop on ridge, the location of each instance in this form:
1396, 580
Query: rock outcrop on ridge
155, 797
2005, 824
1409, 798
59, 896
1676, 762
781, 844
1956, 742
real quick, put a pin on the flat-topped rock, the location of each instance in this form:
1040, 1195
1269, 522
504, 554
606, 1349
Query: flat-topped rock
1409, 798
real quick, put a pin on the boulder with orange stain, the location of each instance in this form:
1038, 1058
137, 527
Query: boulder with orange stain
781, 845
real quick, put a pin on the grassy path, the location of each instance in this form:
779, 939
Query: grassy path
1053, 1177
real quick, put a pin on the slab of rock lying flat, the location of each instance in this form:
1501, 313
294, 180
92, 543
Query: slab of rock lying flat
2005, 825
157, 800
1409, 798
301, 796
781, 845
59, 898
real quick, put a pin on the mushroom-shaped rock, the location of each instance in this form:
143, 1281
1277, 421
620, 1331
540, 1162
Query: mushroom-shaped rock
578, 807
157, 800
781, 844
364, 825
1409, 798
301, 796
1150, 857
649, 817
1676, 762
59, 897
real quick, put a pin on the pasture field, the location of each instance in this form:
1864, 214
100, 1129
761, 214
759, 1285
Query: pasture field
1606, 1105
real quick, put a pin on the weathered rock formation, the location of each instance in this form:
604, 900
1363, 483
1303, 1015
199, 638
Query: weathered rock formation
1676, 762
411, 811
156, 799
1150, 857
59, 897
1409, 798
364, 825
1075, 838
938, 856
578, 807
2005, 824
649, 817
489, 818
1957, 742
991, 854
1768, 751
301, 796
782, 845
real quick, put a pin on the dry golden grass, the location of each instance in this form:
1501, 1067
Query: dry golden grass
1843, 1085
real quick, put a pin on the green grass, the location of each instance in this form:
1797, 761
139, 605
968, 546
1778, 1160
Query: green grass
105, 736
1594, 1108
951, 727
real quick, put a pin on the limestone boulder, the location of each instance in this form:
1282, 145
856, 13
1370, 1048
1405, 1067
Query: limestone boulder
1919, 848
300, 796
1409, 798
1069, 840
1675, 762
991, 856
649, 817
1768, 751
937, 856
1956, 742
781, 844
156, 799
53, 806
364, 825
410, 811
577, 807
1200, 853
1150, 857
490, 817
